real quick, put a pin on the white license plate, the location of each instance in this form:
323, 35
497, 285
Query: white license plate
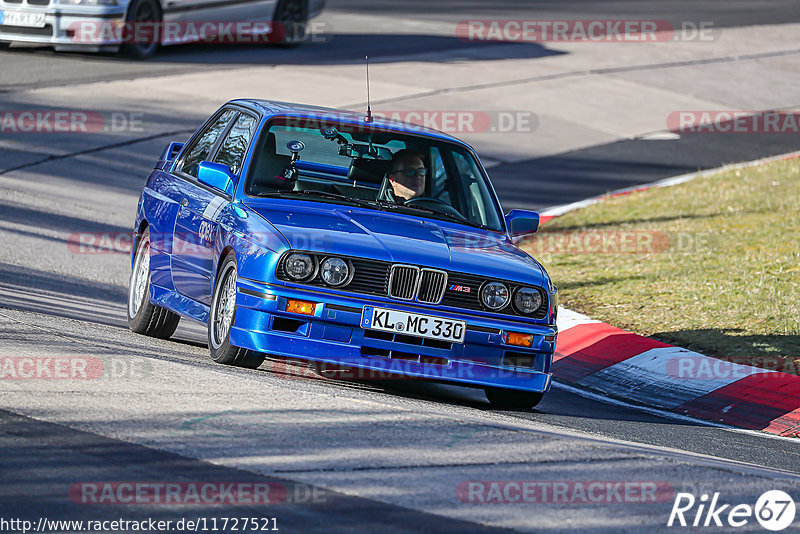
413, 324
20, 18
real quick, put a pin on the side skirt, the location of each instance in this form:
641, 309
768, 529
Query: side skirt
180, 304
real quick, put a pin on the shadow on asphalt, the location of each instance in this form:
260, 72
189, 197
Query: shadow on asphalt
337, 48
740, 13
351, 48
452, 394
36, 291
60, 473
111, 147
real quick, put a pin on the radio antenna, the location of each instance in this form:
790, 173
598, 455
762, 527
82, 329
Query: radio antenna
368, 118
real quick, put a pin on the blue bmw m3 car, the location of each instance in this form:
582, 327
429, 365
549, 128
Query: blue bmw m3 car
319, 234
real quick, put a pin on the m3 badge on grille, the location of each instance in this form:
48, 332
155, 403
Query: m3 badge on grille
460, 289
413, 324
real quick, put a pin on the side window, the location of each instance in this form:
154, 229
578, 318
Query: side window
479, 195
202, 147
439, 177
232, 150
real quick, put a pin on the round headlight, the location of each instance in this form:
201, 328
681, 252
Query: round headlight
494, 295
527, 300
299, 266
334, 271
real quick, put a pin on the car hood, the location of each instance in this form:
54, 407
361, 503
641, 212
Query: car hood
397, 238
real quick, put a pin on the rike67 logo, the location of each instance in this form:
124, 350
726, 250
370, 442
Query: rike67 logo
774, 510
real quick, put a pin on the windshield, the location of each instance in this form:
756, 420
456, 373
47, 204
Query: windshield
360, 165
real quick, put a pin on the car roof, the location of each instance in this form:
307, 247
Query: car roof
277, 108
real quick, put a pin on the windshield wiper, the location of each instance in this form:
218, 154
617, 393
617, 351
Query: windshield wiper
320, 194
458, 218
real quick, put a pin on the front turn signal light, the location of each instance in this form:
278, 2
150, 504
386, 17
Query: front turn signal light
303, 307
519, 339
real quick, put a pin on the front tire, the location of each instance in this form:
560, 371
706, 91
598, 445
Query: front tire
510, 399
221, 318
145, 317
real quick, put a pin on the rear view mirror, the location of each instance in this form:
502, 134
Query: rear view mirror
217, 176
357, 150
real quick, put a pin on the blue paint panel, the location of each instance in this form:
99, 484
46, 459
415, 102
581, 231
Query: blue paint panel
176, 302
193, 240
337, 333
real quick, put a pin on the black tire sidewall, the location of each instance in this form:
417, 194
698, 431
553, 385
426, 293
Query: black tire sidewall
285, 40
134, 50
514, 400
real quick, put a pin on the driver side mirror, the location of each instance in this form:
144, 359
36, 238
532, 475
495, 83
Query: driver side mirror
521, 222
217, 176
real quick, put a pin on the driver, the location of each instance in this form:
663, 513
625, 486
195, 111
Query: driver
407, 174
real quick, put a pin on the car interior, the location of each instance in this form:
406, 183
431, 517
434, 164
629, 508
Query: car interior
321, 161
364, 178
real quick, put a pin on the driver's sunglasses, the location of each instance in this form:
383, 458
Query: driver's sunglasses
411, 173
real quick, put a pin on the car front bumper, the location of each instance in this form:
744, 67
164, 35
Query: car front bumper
334, 335
63, 24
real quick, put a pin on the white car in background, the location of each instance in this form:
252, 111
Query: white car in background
105, 25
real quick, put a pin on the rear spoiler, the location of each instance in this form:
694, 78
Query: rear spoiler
168, 155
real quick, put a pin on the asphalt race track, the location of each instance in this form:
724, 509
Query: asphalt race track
360, 455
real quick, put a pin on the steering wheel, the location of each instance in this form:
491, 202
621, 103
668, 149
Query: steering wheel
437, 205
